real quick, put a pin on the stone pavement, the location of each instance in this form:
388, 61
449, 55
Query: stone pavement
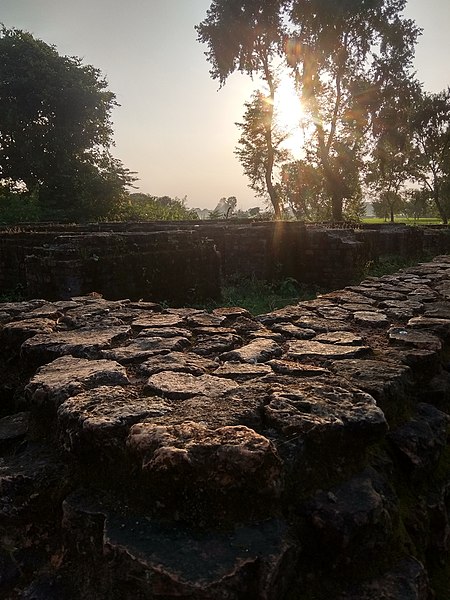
150, 452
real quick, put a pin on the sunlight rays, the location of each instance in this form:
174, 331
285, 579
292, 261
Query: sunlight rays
290, 116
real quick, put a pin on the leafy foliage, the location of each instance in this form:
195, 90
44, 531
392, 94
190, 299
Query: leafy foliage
144, 207
431, 139
56, 130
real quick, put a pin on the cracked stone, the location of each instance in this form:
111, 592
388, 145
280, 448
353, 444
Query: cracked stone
177, 361
242, 371
312, 349
100, 418
372, 319
141, 348
81, 343
68, 376
178, 385
418, 339
260, 350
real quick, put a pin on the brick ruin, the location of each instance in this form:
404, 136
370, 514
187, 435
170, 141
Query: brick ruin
184, 262
160, 453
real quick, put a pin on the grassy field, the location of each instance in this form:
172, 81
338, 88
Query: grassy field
405, 220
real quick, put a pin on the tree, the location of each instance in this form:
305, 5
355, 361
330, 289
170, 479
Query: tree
245, 36
55, 128
345, 56
144, 207
259, 149
431, 139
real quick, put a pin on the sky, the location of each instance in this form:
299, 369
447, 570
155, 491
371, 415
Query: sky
175, 128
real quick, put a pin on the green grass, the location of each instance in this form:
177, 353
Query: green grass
260, 297
386, 265
404, 220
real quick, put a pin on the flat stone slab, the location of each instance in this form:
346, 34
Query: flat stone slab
418, 339
260, 350
383, 380
205, 320
296, 369
183, 562
312, 349
158, 320
317, 407
333, 312
231, 312
346, 338
215, 344
141, 348
178, 385
177, 361
370, 318
347, 296
321, 325
68, 376
290, 330
165, 332
16, 332
242, 371
101, 418
81, 343
437, 326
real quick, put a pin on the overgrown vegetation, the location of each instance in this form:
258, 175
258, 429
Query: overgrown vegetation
259, 297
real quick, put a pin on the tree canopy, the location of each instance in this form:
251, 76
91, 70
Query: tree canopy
56, 129
351, 61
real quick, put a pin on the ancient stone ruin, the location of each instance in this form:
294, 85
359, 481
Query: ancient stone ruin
158, 453
185, 262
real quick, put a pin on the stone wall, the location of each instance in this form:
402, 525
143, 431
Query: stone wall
158, 453
183, 261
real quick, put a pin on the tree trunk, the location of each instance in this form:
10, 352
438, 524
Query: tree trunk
439, 206
336, 207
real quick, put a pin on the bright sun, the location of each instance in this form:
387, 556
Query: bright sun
289, 116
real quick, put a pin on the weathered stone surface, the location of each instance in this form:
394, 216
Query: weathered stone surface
242, 371
333, 312
177, 361
260, 350
390, 384
345, 338
247, 561
143, 347
295, 369
346, 296
95, 423
165, 332
178, 385
338, 521
208, 464
438, 310
16, 332
205, 320
81, 343
231, 312
406, 581
67, 376
290, 330
158, 320
206, 345
371, 319
422, 439
321, 325
30, 481
313, 349
438, 326
13, 429
418, 339
321, 407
